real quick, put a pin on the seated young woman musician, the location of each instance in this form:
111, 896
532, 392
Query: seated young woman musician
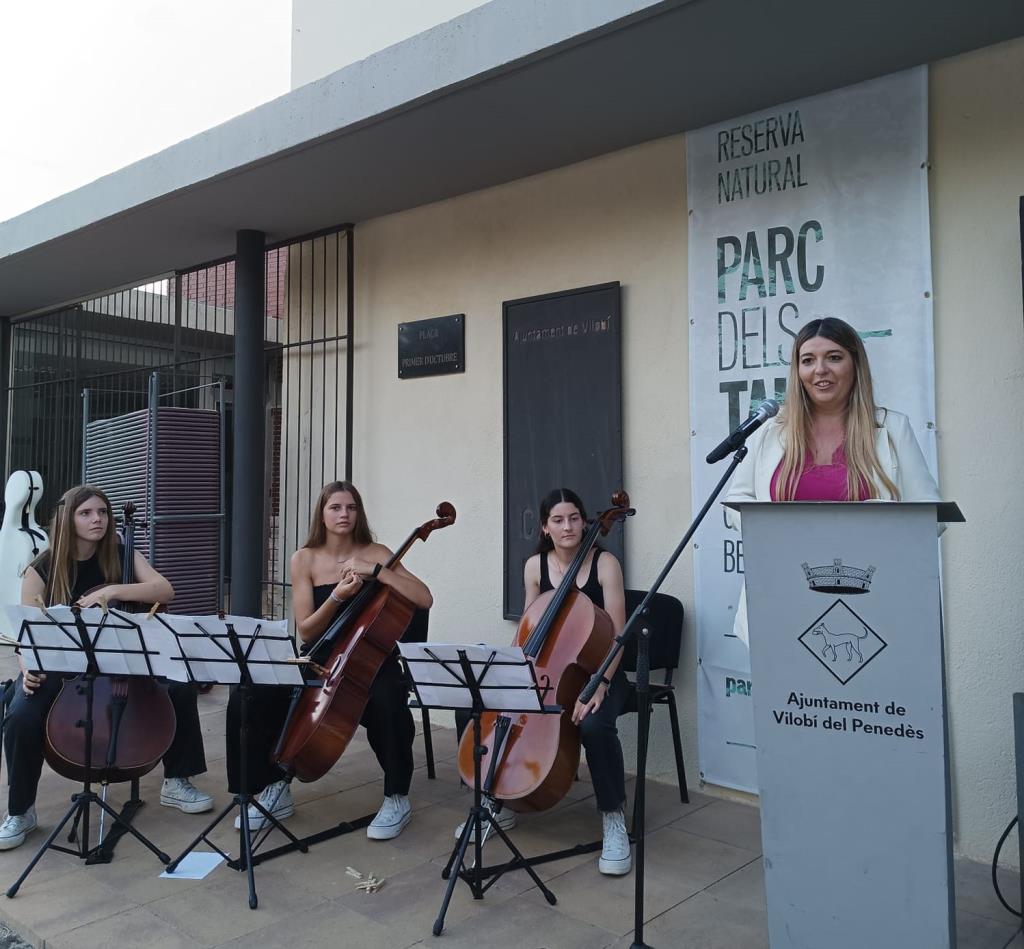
84, 566
329, 569
563, 520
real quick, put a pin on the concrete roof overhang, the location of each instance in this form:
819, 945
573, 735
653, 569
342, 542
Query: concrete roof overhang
507, 90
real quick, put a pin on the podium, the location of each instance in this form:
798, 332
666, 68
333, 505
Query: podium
846, 658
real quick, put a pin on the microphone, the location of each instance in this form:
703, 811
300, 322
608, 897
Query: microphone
766, 410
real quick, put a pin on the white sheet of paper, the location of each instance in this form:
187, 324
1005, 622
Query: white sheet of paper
118, 637
196, 866
57, 644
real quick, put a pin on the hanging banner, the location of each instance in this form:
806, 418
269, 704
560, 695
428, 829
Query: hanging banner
810, 209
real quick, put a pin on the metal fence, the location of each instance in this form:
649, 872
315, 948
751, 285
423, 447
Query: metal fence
182, 325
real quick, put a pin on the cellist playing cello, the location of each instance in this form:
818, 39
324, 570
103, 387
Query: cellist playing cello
563, 521
326, 572
83, 566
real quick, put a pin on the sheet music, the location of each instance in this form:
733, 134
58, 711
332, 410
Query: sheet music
209, 658
507, 680
125, 643
167, 645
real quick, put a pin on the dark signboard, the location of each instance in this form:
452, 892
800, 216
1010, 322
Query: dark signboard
563, 414
432, 347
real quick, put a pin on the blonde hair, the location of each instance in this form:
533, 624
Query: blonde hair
63, 570
862, 464
361, 533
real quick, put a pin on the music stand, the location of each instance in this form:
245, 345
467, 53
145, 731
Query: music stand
481, 679
89, 642
303, 843
212, 650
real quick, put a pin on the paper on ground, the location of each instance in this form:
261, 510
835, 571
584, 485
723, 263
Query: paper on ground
198, 864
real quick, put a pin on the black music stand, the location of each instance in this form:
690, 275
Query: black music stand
71, 644
303, 843
216, 654
481, 679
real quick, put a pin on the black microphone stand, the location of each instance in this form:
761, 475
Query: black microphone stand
637, 625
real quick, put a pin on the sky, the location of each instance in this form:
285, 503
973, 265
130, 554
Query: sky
89, 86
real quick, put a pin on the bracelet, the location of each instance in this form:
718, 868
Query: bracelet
334, 596
377, 569
606, 681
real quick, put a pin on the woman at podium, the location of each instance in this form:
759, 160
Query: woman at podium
830, 441
84, 565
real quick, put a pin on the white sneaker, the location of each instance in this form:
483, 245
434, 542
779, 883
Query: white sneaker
506, 820
185, 796
616, 858
16, 828
394, 814
275, 798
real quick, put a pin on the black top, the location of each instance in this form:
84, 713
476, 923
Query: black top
88, 574
592, 587
321, 594
416, 632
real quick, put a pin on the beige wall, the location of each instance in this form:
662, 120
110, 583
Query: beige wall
977, 178
623, 217
419, 441
330, 34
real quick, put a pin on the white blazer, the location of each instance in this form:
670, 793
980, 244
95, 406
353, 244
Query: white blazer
898, 453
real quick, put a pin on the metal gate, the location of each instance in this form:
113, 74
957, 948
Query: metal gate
181, 326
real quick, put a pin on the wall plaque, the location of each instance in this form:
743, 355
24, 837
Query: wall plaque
432, 347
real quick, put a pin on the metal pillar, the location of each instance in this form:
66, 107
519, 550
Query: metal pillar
247, 498
350, 348
1018, 722
5, 393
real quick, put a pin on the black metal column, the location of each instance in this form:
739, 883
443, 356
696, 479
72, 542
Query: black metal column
5, 395
1018, 730
350, 348
247, 499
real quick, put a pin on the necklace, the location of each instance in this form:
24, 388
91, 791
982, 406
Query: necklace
560, 569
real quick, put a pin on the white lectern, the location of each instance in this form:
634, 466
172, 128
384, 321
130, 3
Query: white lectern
846, 660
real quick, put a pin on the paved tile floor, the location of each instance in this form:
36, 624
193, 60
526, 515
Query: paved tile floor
704, 880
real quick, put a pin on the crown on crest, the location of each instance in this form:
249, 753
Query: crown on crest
836, 577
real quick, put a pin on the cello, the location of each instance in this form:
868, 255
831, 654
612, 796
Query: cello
351, 651
533, 758
133, 718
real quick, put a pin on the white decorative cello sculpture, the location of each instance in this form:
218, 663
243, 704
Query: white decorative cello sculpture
21, 537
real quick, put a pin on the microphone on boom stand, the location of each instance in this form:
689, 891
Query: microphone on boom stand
767, 409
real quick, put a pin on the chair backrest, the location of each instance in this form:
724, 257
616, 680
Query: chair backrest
666, 626
417, 629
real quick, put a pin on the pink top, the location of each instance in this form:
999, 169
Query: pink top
821, 482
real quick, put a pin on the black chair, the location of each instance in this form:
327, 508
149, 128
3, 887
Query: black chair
417, 633
665, 621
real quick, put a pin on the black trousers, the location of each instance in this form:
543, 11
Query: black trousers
25, 725
599, 735
389, 725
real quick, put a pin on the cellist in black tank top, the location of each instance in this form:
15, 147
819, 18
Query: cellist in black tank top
563, 523
327, 571
563, 520
84, 566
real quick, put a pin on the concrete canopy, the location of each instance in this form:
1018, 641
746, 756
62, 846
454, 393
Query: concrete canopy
507, 90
